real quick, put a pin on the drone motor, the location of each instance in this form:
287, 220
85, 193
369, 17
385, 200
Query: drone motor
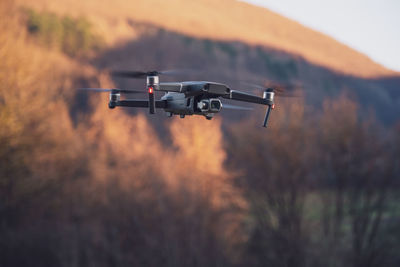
114, 99
269, 94
152, 83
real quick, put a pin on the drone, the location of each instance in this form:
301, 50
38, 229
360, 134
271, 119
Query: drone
185, 98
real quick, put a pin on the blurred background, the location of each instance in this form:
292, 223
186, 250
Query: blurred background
82, 185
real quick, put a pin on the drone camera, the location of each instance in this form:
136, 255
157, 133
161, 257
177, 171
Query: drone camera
215, 105
203, 105
210, 105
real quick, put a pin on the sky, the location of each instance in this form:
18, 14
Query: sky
369, 26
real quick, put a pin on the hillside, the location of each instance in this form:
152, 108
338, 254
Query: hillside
211, 19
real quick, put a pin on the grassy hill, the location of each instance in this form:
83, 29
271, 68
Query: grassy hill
223, 20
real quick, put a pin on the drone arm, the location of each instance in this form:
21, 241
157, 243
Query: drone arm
139, 103
133, 103
241, 96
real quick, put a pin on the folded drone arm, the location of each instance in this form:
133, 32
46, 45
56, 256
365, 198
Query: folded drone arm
140, 103
241, 96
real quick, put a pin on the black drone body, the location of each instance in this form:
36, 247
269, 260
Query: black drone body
185, 98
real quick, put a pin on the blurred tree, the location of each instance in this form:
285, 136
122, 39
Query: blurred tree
357, 174
277, 165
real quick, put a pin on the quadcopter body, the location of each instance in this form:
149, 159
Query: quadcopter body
185, 98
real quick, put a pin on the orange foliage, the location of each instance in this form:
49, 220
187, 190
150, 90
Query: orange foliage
199, 145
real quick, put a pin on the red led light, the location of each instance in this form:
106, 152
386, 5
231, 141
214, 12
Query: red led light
150, 90
273, 106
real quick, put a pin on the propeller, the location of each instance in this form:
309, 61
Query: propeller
143, 74
286, 90
233, 107
114, 90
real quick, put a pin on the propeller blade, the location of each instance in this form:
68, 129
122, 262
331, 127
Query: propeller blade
125, 91
257, 86
144, 74
129, 74
131, 91
95, 89
287, 95
287, 90
233, 107
177, 72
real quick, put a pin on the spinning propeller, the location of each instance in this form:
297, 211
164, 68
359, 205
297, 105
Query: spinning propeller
114, 90
143, 74
282, 90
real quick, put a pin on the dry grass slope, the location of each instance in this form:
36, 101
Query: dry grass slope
212, 19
